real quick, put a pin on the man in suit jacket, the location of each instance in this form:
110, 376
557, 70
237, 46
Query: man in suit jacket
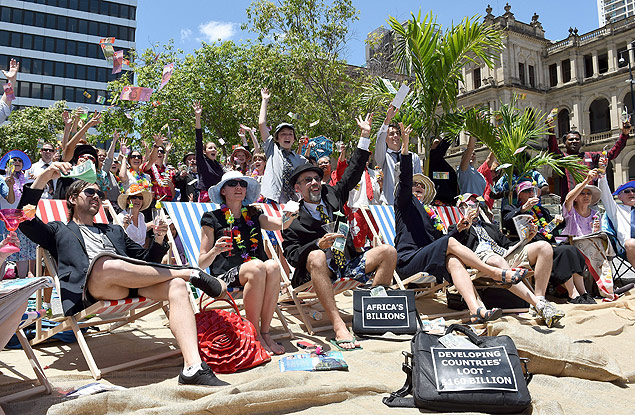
100, 262
308, 246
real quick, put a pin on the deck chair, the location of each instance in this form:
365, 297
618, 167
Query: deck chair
304, 295
114, 313
619, 263
43, 385
186, 217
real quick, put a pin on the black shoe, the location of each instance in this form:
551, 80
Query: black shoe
588, 298
578, 300
209, 285
203, 377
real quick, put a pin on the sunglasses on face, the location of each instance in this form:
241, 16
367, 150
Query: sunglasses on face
234, 183
135, 197
160, 151
419, 184
628, 191
136, 156
17, 161
47, 150
309, 180
87, 157
90, 192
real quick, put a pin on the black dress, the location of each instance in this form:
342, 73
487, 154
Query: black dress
226, 265
420, 246
567, 260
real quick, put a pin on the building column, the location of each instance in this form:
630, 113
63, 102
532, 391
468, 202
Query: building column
585, 123
614, 110
575, 119
631, 53
558, 74
612, 57
574, 69
596, 66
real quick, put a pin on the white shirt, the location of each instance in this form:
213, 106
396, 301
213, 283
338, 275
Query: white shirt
136, 233
358, 198
620, 215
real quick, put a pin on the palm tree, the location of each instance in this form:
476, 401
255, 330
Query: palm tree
435, 59
512, 134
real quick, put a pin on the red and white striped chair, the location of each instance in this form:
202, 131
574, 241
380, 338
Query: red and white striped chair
304, 295
115, 313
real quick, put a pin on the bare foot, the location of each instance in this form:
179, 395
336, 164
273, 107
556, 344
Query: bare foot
342, 334
275, 347
264, 345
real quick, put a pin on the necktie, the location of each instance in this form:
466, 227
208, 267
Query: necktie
369, 186
395, 156
287, 172
632, 222
482, 234
338, 256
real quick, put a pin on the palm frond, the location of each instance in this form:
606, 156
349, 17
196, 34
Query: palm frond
557, 163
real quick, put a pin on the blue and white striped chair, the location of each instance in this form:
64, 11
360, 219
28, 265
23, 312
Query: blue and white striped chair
186, 217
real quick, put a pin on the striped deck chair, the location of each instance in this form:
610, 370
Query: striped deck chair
186, 217
28, 318
114, 313
304, 295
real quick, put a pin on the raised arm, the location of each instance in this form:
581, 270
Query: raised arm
70, 148
575, 192
262, 117
621, 142
355, 169
467, 155
105, 167
380, 145
254, 140
404, 186
11, 75
552, 141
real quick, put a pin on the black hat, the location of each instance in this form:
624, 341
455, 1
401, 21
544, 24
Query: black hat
189, 153
85, 149
304, 168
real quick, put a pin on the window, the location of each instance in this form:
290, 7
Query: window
83, 27
71, 47
521, 73
5, 38
62, 23
47, 91
132, 12
4, 61
103, 30
62, 3
36, 67
59, 69
36, 90
24, 88
102, 75
17, 16
16, 39
476, 78
29, 18
124, 11
94, 51
93, 28
6, 14
38, 43
532, 76
49, 44
69, 93
553, 75
84, 5
603, 63
72, 25
114, 10
103, 7
40, 19
48, 68
73, 4
81, 71
70, 70
563, 122
50, 21
91, 73
566, 70
81, 49
94, 6
25, 65
58, 92
60, 46
27, 41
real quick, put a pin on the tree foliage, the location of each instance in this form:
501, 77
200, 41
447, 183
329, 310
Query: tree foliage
31, 125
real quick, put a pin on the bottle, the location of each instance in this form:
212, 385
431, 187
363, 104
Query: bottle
551, 226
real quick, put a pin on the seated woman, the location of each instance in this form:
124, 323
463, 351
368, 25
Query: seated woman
584, 224
231, 242
422, 245
132, 202
568, 262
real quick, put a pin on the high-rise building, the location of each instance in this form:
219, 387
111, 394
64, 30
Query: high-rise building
612, 10
57, 45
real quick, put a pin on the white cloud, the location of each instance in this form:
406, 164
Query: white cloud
213, 31
185, 34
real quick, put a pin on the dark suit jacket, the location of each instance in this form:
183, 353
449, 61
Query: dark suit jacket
413, 227
471, 241
510, 211
66, 245
301, 237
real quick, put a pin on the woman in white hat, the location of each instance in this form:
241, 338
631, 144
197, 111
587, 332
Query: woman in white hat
132, 202
231, 245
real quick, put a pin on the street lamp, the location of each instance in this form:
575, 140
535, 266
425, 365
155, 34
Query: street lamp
630, 81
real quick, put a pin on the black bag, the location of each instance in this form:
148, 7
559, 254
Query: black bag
421, 379
396, 313
494, 297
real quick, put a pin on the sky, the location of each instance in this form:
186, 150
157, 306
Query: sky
189, 22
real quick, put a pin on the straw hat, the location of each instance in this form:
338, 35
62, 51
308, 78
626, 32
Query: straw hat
596, 193
135, 189
253, 188
244, 150
429, 191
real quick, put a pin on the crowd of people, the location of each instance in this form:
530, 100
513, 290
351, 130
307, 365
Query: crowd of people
98, 262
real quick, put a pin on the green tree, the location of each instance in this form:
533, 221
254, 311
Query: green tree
435, 59
32, 124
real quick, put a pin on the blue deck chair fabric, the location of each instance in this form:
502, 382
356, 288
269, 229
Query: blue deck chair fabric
187, 220
385, 217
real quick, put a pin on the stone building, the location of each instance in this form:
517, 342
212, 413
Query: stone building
585, 76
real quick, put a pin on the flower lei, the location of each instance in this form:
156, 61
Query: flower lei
438, 224
540, 221
253, 237
140, 178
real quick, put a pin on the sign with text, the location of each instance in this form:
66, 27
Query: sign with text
385, 312
473, 369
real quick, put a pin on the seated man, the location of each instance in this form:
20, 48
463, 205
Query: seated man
492, 247
100, 262
308, 246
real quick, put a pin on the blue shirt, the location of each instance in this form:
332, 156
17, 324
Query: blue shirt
4, 188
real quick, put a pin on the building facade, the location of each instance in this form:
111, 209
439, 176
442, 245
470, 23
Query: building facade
584, 76
613, 10
57, 45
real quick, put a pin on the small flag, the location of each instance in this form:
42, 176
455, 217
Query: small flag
87, 95
100, 99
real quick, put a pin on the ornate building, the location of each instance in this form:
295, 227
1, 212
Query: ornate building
585, 76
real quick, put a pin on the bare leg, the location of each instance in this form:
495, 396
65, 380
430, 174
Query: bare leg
182, 322
571, 290
462, 282
578, 281
629, 246
469, 258
520, 289
540, 254
383, 260
252, 278
321, 277
272, 292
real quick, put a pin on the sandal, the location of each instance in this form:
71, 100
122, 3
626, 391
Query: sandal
519, 275
493, 314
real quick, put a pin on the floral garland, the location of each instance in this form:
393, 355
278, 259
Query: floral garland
540, 221
436, 220
141, 179
253, 237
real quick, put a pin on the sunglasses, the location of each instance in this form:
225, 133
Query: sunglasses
309, 180
628, 191
47, 150
136, 156
135, 197
87, 156
419, 184
17, 160
161, 151
234, 183
90, 192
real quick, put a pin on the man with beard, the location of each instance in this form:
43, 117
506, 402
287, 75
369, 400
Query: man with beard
572, 143
310, 248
